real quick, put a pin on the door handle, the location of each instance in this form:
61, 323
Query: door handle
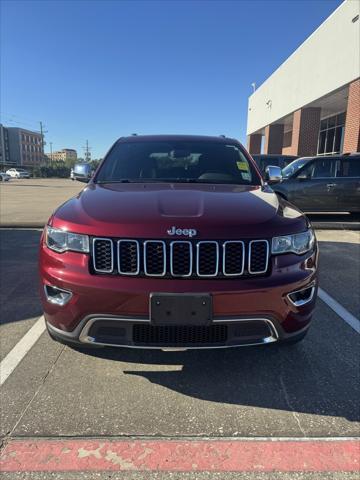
331, 185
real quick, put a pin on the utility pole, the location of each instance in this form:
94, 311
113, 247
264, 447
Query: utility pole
87, 152
42, 132
51, 157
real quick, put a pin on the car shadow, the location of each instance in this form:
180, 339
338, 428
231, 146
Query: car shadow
304, 378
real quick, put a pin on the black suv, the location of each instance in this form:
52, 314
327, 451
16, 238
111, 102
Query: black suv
323, 184
264, 160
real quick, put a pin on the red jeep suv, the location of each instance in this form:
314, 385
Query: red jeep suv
177, 242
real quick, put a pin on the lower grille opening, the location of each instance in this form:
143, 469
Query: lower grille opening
178, 335
126, 333
255, 330
109, 332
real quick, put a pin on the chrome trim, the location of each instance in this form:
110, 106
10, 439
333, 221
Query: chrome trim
300, 303
145, 266
190, 261
137, 256
51, 299
224, 258
112, 254
249, 257
74, 334
85, 338
198, 258
247, 252
271, 338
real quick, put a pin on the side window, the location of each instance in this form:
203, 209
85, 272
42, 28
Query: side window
324, 168
349, 167
307, 171
319, 168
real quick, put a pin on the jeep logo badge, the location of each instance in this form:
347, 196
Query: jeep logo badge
187, 232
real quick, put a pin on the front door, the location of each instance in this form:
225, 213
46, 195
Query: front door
316, 186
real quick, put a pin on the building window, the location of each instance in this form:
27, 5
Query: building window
331, 134
287, 140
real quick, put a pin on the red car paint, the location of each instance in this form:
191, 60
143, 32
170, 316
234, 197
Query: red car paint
146, 211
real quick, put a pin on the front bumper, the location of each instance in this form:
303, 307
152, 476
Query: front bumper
114, 310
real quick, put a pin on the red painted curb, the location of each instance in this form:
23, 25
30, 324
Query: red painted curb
181, 456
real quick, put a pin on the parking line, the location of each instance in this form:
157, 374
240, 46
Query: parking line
348, 317
14, 357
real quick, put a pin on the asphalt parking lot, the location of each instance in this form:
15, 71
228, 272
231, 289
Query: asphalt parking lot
30, 202
308, 390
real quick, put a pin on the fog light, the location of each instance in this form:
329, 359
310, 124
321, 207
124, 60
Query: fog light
56, 295
302, 297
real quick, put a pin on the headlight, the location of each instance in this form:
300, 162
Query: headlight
62, 241
298, 243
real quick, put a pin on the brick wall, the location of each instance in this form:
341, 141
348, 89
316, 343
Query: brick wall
305, 132
274, 135
288, 151
352, 123
254, 143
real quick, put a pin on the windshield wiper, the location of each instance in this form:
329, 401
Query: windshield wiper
122, 180
171, 180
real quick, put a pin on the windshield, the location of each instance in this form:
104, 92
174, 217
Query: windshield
293, 167
82, 168
182, 162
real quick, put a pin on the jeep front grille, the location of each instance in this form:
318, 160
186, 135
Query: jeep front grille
180, 258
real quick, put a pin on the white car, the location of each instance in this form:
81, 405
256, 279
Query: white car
18, 173
4, 177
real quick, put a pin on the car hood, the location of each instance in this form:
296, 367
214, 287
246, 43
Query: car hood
148, 210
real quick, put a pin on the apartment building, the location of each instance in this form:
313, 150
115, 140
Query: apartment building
64, 155
25, 147
4, 146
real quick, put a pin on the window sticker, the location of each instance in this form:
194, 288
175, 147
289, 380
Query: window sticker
244, 166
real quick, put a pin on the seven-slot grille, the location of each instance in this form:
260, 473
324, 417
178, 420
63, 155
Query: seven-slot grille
180, 258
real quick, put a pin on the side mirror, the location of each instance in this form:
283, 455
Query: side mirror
273, 174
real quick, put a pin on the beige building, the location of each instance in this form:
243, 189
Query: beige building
64, 155
310, 105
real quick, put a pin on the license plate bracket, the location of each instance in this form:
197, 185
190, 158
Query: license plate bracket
180, 309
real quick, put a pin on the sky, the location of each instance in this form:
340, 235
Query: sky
99, 69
